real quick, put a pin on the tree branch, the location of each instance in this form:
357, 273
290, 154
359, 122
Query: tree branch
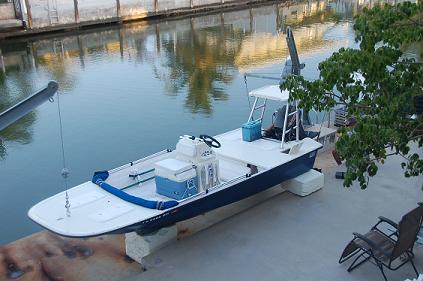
404, 24
405, 157
416, 137
387, 155
411, 62
410, 19
414, 130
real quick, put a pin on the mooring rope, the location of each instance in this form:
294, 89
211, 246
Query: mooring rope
65, 171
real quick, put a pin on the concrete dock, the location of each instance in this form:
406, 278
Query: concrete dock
293, 238
284, 238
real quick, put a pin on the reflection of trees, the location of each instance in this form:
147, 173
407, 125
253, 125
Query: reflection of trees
17, 83
202, 60
58, 65
20, 131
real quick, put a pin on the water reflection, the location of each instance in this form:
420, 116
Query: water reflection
19, 132
200, 61
197, 58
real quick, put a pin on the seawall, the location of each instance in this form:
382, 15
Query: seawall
42, 16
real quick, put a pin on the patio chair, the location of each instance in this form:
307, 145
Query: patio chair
391, 250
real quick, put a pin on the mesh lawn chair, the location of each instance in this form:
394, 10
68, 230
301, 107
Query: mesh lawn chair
386, 250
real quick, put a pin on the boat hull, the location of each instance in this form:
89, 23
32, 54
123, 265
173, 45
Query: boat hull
240, 190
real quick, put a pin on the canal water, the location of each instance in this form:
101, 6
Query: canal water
126, 92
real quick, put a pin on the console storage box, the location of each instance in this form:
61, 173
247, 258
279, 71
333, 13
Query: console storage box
175, 179
251, 131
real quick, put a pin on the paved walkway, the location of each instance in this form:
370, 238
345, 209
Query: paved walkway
293, 238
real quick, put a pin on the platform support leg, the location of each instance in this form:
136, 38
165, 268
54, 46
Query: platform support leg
139, 246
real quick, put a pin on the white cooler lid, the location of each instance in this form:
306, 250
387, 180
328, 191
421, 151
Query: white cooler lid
172, 165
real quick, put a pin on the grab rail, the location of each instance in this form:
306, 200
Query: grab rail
220, 185
139, 161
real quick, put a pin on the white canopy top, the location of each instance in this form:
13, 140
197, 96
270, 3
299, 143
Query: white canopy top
271, 92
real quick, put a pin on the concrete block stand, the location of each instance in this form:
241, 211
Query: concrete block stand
138, 247
306, 183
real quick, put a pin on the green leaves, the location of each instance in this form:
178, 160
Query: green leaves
378, 86
391, 25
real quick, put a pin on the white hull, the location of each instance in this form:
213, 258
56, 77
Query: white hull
95, 211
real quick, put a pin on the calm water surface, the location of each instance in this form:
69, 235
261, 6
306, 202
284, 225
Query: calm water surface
131, 91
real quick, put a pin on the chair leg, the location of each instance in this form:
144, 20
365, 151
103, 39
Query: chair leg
350, 250
354, 266
412, 263
381, 270
343, 259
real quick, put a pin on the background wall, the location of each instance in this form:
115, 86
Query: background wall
6, 11
50, 13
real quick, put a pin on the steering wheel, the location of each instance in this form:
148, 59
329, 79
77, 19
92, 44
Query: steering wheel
210, 141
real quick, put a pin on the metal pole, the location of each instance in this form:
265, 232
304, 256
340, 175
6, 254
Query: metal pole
251, 20
29, 13
158, 42
284, 125
76, 10
278, 18
81, 51
297, 122
120, 34
18, 9
34, 55
3, 68
118, 8
328, 119
263, 110
252, 110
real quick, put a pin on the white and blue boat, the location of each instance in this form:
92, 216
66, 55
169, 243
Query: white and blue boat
199, 175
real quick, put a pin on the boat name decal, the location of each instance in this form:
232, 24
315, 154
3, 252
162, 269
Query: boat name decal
206, 153
157, 217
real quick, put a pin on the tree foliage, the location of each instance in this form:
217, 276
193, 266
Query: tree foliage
382, 100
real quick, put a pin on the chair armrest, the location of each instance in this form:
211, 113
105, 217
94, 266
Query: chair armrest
372, 244
388, 221
365, 239
394, 232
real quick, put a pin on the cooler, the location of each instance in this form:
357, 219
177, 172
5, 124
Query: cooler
251, 131
175, 179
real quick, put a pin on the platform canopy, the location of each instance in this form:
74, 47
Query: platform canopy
272, 92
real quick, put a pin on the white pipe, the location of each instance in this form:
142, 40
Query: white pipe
297, 120
284, 125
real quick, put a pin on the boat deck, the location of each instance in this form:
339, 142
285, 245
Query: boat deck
264, 153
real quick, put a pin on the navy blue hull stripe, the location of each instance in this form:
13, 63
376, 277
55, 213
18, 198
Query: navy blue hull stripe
237, 192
